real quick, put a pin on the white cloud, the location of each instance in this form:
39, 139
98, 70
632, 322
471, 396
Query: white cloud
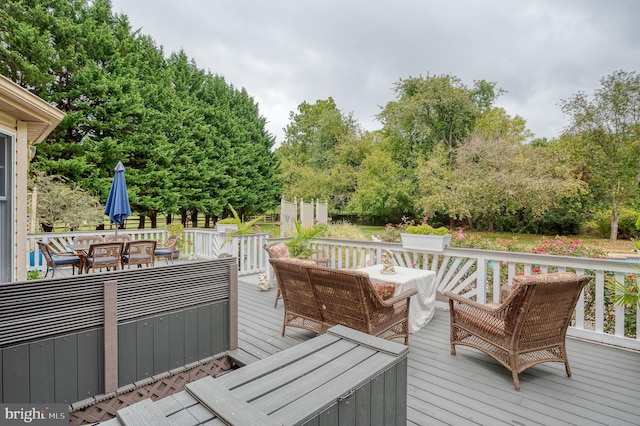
285, 52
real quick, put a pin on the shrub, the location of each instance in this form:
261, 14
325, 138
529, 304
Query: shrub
344, 230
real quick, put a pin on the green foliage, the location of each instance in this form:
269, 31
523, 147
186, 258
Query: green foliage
62, 203
34, 275
299, 245
227, 221
191, 143
244, 227
627, 293
605, 130
432, 110
627, 219
176, 228
425, 229
344, 230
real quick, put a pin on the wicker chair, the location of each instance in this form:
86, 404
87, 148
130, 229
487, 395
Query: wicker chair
167, 249
280, 250
300, 307
527, 328
348, 298
140, 252
57, 260
104, 255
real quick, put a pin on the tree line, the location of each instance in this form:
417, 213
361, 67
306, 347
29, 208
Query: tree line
445, 151
192, 144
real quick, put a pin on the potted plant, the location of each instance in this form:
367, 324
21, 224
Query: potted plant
226, 225
240, 226
176, 229
627, 293
425, 237
299, 245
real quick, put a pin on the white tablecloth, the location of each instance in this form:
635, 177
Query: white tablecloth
422, 306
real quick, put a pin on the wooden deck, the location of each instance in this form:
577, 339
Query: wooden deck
470, 388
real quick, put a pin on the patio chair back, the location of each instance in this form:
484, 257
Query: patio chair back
87, 239
117, 238
56, 260
167, 249
349, 298
104, 255
300, 306
141, 252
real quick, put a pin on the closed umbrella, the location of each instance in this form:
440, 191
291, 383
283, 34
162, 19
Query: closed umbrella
117, 207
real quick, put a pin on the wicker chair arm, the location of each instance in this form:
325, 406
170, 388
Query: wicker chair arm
400, 297
482, 307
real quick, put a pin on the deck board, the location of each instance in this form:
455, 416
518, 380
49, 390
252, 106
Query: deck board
470, 388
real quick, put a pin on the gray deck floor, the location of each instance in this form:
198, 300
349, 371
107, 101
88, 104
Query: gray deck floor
470, 388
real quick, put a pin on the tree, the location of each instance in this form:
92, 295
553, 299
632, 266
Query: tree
608, 128
313, 133
432, 110
62, 203
384, 191
497, 176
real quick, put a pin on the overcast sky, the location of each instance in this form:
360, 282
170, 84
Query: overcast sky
285, 52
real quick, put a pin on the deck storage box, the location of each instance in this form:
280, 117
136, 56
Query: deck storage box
343, 377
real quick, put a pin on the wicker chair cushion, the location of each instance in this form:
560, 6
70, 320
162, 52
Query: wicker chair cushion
385, 290
519, 279
278, 251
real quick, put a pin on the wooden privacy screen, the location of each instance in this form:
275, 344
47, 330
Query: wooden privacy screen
68, 339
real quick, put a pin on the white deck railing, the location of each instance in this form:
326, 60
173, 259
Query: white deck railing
476, 274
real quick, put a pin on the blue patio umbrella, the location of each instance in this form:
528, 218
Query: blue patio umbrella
117, 207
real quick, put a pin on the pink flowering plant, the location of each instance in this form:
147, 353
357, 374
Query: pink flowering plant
563, 246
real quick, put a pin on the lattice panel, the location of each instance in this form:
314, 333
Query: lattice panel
106, 409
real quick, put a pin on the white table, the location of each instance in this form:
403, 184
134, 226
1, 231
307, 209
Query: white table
422, 306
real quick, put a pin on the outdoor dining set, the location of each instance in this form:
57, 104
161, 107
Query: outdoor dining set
89, 253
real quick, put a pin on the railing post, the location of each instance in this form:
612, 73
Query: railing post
233, 306
110, 336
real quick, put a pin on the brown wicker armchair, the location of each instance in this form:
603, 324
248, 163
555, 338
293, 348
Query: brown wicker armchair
527, 328
280, 250
348, 298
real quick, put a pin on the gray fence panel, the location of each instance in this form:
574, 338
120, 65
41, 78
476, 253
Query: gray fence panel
1, 369
191, 335
126, 353
90, 363
144, 348
204, 331
220, 329
15, 364
161, 349
66, 369
41, 374
176, 339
